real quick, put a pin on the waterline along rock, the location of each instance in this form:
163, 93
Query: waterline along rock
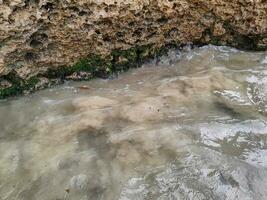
44, 42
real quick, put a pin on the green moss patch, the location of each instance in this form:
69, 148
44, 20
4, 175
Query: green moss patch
93, 66
18, 86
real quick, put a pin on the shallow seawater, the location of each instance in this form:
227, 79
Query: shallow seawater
192, 125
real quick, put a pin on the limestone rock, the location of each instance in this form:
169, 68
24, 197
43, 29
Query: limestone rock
43, 35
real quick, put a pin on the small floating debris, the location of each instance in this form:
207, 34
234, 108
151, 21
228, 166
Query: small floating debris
84, 87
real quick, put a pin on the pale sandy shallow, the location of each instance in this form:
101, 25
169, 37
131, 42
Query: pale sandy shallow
190, 126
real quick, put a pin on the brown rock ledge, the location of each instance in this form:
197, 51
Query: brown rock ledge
46, 41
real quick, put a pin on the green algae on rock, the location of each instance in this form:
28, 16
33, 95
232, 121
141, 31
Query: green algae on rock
94, 66
38, 38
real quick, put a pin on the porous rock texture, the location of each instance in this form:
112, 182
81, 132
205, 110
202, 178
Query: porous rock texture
44, 40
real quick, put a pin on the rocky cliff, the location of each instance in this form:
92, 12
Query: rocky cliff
47, 41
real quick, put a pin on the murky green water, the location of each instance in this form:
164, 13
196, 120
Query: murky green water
194, 126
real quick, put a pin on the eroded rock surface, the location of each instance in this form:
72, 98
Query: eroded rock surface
39, 36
